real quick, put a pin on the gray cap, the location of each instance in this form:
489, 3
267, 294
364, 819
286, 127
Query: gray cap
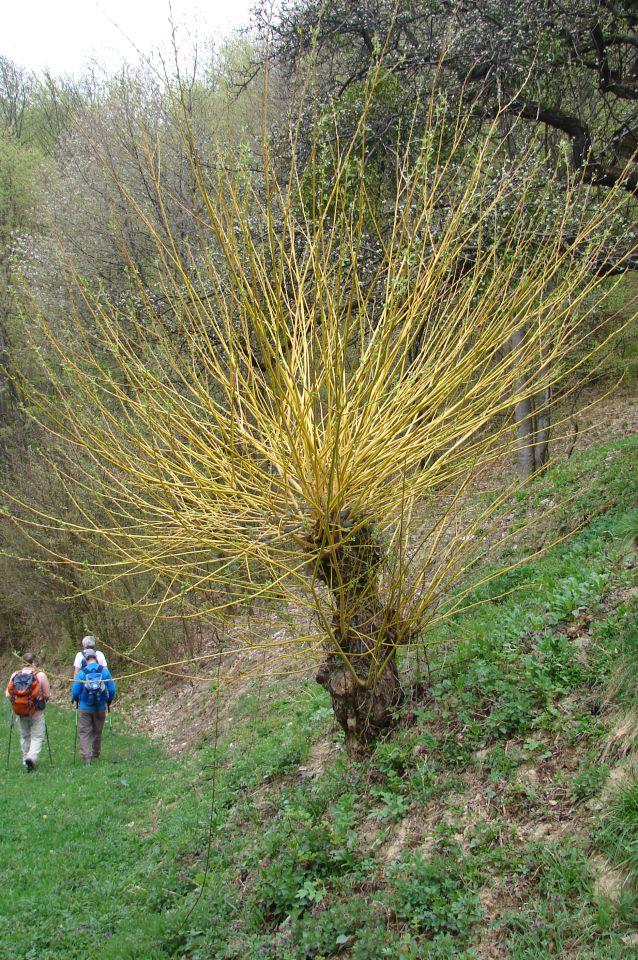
90, 654
88, 642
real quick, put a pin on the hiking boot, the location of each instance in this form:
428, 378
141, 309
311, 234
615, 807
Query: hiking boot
29, 764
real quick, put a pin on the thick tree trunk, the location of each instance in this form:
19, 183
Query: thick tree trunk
364, 697
360, 671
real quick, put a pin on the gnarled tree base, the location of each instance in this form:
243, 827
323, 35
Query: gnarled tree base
363, 712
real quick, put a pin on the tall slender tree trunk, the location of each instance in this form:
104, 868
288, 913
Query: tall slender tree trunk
523, 417
543, 429
532, 416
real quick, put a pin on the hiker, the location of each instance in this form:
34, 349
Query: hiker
29, 691
92, 692
88, 643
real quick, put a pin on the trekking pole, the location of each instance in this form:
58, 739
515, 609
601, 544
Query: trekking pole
46, 730
108, 709
75, 742
10, 732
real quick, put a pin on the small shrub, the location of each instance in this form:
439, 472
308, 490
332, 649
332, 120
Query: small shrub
328, 932
436, 896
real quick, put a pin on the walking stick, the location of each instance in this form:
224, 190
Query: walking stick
10, 732
46, 730
108, 708
75, 742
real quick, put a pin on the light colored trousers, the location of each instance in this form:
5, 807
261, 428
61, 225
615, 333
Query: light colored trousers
32, 732
91, 726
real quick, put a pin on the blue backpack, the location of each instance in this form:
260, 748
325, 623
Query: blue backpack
94, 686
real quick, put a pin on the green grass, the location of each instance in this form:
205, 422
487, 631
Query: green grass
484, 815
92, 848
618, 828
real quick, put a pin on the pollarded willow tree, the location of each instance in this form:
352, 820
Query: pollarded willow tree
302, 417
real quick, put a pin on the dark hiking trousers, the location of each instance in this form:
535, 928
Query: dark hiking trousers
91, 726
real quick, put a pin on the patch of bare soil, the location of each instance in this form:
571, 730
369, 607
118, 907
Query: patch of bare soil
610, 419
496, 897
609, 882
416, 830
321, 754
181, 711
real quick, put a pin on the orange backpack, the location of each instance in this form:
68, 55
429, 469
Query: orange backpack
24, 690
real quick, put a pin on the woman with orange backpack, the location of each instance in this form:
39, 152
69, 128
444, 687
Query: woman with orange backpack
29, 691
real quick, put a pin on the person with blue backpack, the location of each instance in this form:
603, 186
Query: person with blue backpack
92, 692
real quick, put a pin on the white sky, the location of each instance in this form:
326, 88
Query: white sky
63, 35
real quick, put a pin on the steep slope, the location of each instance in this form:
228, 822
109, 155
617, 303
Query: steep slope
498, 821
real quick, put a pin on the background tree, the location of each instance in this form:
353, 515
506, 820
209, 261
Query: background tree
70, 155
567, 69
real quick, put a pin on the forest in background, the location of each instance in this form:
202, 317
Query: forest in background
61, 143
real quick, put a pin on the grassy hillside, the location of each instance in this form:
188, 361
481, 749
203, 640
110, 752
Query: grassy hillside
500, 820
